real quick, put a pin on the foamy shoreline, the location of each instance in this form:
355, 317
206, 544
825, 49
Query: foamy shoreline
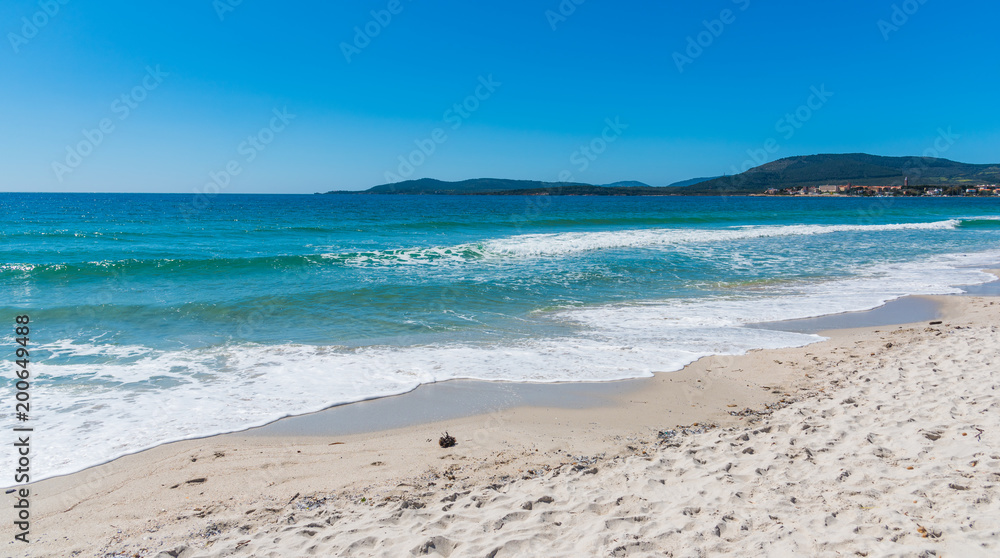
135, 397
615, 486
127, 398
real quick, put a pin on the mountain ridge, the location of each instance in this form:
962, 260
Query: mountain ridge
858, 169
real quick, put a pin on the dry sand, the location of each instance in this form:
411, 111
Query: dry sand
881, 441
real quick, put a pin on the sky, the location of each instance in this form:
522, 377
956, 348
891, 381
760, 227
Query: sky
256, 96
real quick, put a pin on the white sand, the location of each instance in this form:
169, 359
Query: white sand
890, 447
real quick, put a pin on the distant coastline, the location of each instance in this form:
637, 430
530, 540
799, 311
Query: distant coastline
852, 174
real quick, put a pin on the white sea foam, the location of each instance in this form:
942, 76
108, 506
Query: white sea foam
144, 397
568, 243
166, 396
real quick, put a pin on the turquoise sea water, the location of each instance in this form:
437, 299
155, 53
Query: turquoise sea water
161, 317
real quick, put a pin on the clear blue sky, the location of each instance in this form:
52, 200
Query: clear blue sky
557, 80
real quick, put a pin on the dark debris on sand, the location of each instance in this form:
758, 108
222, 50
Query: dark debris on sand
672, 436
755, 415
447, 441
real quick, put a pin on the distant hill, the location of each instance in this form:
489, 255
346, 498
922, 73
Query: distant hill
692, 182
626, 184
565, 189
859, 169
502, 186
472, 186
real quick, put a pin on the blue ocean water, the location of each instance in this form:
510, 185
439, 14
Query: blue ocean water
162, 317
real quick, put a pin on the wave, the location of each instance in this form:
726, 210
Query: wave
495, 250
173, 266
158, 395
985, 222
570, 243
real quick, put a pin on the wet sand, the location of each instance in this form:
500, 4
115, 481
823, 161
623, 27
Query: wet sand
585, 469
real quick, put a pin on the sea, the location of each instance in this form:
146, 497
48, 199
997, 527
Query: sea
156, 318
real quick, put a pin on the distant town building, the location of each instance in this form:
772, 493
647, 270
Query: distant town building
834, 188
886, 190
883, 188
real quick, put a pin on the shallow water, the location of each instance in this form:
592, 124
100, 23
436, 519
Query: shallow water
162, 317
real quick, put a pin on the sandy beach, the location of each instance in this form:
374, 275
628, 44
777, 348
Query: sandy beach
561, 279
881, 441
